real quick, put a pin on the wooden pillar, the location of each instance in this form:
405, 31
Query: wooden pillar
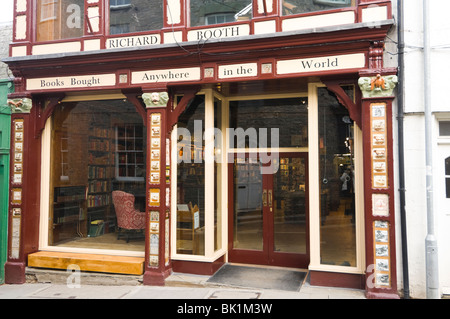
157, 260
377, 86
23, 219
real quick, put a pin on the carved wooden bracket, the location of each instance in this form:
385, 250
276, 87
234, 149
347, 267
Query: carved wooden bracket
335, 87
188, 95
133, 97
44, 114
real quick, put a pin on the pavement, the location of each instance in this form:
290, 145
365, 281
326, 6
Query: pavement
56, 285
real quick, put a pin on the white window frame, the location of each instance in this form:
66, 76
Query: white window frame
314, 198
45, 188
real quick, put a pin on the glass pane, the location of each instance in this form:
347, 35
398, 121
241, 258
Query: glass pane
218, 177
191, 179
289, 116
447, 184
208, 12
289, 206
86, 211
337, 197
59, 19
248, 206
302, 6
447, 166
444, 128
126, 16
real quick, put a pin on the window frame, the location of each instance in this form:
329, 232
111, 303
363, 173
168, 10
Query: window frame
126, 152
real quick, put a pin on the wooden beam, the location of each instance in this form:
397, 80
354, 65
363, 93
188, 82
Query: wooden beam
87, 262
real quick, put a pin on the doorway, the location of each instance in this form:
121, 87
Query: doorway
269, 213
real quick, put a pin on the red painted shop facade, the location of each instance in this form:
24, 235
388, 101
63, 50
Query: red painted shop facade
180, 136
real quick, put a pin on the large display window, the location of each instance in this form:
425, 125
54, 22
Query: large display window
97, 171
303, 6
128, 16
59, 19
210, 12
313, 191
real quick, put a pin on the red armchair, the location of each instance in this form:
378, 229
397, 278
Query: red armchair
128, 218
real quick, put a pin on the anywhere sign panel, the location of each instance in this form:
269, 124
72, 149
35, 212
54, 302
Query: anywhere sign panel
163, 76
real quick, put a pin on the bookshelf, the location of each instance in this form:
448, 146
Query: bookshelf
100, 174
69, 212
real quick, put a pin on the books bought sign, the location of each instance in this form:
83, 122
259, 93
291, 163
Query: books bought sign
68, 82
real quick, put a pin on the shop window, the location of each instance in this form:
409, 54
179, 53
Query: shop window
444, 128
218, 191
290, 7
289, 118
97, 148
128, 16
337, 182
59, 19
209, 12
191, 179
130, 163
447, 176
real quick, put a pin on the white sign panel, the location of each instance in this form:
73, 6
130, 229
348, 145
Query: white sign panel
136, 41
219, 33
238, 70
327, 63
68, 82
171, 75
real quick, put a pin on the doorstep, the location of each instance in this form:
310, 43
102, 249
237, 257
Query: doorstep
87, 262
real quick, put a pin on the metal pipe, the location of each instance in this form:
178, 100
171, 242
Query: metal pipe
401, 152
431, 247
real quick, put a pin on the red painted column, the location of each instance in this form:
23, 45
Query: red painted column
379, 189
157, 260
23, 219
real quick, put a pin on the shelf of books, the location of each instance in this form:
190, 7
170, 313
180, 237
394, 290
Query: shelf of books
100, 174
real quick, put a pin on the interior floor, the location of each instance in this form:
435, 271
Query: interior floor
108, 241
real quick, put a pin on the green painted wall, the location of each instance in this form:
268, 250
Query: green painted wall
6, 87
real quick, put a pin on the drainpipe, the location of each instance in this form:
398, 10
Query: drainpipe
401, 152
432, 275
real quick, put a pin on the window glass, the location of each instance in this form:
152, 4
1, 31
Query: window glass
208, 12
59, 19
127, 16
130, 163
289, 116
337, 182
447, 179
444, 128
302, 6
218, 177
191, 179
93, 205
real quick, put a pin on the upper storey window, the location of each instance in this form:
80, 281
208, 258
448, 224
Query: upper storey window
127, 16
209, 12
59, 19
290, 7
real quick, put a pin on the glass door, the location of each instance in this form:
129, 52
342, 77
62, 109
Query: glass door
269, 212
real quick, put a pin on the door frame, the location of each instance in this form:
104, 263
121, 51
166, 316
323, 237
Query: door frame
267, 256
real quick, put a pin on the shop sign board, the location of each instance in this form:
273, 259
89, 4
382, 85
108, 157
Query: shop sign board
136, 41
219, 33
68, 82
164, 76
238, 70
319, 64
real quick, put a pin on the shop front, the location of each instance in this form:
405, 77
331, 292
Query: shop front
180, 156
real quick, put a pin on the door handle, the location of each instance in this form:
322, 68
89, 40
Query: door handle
270, 198
264, 197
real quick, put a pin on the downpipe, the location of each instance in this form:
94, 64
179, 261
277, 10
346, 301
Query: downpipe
432, 266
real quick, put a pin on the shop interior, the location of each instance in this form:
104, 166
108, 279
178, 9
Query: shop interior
97, 185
